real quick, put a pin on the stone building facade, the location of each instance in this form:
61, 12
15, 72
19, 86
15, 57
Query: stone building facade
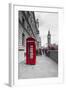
28, 26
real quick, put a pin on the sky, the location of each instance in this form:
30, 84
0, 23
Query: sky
47, 21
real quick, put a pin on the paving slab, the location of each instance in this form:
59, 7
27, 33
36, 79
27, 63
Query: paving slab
45, 67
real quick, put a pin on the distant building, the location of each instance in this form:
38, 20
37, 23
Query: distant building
49, 38
28, 26
38, 37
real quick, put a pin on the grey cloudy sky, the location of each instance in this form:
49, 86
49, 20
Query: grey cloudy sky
48, 21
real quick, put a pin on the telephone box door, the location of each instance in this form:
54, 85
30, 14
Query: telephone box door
30, 51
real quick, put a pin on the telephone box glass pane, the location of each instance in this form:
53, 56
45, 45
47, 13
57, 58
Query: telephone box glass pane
31, 52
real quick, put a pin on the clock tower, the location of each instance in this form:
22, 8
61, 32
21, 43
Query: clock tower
49, 38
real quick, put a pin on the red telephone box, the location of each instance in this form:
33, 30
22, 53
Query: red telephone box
30, 51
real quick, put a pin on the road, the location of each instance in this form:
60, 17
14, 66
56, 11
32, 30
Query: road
45, 67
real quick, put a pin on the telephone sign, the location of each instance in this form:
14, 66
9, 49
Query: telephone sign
30, 51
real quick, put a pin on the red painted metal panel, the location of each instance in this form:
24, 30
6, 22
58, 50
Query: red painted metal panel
30, 51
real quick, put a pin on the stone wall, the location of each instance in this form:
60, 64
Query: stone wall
54, 55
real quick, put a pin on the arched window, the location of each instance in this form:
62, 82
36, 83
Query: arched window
23, 20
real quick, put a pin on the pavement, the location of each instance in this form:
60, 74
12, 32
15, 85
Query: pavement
45, 67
